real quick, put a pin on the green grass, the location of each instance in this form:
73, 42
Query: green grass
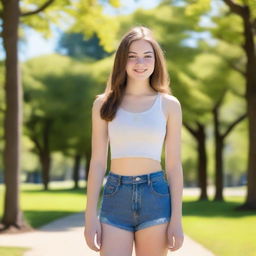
216, 225
40, 207
12, 251
219, 227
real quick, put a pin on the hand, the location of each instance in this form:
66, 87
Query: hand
92, 228
175, 235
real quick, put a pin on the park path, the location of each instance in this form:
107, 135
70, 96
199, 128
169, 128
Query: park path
65, 237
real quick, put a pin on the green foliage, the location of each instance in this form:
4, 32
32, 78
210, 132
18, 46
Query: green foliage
84, 16
197, 8
231, 34
77, 46
61, 90
59, 94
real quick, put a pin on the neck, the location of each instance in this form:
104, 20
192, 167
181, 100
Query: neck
138, 87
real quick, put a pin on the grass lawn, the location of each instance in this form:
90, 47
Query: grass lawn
40, 207
12, 251
217, 226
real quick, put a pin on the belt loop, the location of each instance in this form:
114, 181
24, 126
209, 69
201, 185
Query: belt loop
119, 180
148, 179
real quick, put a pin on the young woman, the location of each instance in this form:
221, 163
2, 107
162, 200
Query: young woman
136, 114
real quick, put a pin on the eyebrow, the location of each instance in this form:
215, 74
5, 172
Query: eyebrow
144, 52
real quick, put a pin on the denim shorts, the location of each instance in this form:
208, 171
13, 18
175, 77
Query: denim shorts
135, 202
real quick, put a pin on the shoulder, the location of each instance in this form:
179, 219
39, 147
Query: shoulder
171, 105
170, 99
98, 101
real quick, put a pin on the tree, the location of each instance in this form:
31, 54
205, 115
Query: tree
76, 46
11, 12
58, 88
236, 24
246, 10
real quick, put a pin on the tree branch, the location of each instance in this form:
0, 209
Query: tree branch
254, 25
233, 66
37, 144
242, 95
190, 129
44, 6
236, 8
238, 120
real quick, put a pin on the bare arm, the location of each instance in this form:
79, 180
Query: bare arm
98, 162
173, 164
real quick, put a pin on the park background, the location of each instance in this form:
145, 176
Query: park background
66, 52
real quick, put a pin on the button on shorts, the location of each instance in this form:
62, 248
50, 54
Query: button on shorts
135, 202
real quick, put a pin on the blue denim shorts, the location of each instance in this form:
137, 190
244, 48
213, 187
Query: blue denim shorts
135, 202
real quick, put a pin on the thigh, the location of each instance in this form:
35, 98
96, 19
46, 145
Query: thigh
152, 241
116, 241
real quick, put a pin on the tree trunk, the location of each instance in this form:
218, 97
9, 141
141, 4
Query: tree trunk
13, 117
249, 47
202, 162
199, 135
250, 51
218, 156
76, 170
219, 169
45, 155
251, 173
45, 160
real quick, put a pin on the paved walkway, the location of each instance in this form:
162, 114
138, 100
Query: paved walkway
65, 237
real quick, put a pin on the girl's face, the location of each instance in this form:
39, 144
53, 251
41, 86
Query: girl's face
141, 60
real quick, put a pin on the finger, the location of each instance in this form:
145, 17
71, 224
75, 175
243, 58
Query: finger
177, 245
171, 241
172, 244
98, 238
91, 244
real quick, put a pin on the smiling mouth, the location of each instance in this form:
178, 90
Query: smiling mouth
140, 70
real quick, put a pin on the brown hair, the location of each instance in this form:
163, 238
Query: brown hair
159, 79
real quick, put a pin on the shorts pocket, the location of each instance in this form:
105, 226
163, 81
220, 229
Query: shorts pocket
111, 187
160, 187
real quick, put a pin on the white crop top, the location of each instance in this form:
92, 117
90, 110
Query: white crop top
139, 134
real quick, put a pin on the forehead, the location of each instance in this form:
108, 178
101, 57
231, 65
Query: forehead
141, 46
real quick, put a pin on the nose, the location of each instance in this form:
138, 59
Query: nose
140, 60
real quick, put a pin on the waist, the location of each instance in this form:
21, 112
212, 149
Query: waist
134, 165
134, 179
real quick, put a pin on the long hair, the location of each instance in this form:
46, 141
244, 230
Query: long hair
159, 80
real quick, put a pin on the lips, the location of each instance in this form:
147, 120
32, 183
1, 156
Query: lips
139, 70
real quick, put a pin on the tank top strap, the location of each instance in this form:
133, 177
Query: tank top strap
155, 106
160, 104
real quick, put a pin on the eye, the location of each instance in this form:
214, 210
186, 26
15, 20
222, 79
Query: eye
148, 56
130, 57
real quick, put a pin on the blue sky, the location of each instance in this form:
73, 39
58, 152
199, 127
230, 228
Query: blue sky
36, 45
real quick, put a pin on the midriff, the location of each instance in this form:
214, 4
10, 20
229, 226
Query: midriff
132, 166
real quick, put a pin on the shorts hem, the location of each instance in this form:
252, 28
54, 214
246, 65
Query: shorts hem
106, 220
152, 223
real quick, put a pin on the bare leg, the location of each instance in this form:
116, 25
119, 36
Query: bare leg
152, 241
116, 241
